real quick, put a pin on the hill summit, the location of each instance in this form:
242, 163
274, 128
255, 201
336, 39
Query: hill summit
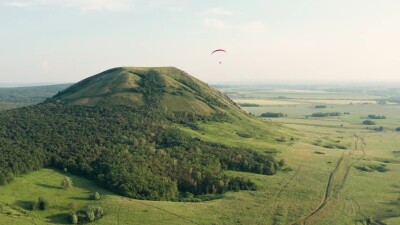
167, 88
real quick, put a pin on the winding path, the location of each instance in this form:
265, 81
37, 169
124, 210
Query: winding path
337, 179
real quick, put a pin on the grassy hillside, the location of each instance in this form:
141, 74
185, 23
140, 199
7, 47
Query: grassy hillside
124, 86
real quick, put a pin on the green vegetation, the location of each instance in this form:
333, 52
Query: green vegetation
95, 196
249, 105
66, 183
325, 114
273, 115
318, 183
376, 117
353, 196
87, 215
40, 204
320, 106
368, 122
397, 128
134, 151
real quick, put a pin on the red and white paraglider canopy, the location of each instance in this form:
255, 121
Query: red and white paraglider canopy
219, 50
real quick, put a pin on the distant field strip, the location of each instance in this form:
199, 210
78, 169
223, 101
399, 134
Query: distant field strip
264, 102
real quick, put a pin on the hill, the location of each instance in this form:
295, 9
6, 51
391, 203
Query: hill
144, 133
171, 89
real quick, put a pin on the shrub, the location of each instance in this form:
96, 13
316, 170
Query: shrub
66, 183
40, 204
95, 196
243, 135
319, 153
398, 129
74, 218
98, 213
90, 215
368, 122
273, 115
320, 106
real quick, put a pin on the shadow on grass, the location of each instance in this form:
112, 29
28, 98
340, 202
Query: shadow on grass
80, 198
48, 186
27, 205
60, 218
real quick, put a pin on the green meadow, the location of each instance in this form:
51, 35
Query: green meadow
337, 171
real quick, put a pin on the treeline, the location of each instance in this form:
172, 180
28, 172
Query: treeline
273, 115
249, 105
325, 114
371, 116
320, 106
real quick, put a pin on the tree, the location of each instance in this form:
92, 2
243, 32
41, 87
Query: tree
90, 215
41, 204
398, 129
95, 196
74, 218
98, 213
66, 183
368, 122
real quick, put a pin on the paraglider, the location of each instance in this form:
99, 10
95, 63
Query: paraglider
218, 51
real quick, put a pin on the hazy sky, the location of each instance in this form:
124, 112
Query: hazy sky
68, 40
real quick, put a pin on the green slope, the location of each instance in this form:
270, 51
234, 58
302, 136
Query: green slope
123, 86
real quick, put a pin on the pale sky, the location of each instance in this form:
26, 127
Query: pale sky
68, 40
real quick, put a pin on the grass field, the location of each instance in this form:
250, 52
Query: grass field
337, 172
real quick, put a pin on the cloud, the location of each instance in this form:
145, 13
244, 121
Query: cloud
83, 5
17, 4
219, 11
214, 23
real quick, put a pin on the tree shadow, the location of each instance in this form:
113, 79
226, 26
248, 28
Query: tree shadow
60, 218
393, 202
80, 198
48, 186
27, 205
